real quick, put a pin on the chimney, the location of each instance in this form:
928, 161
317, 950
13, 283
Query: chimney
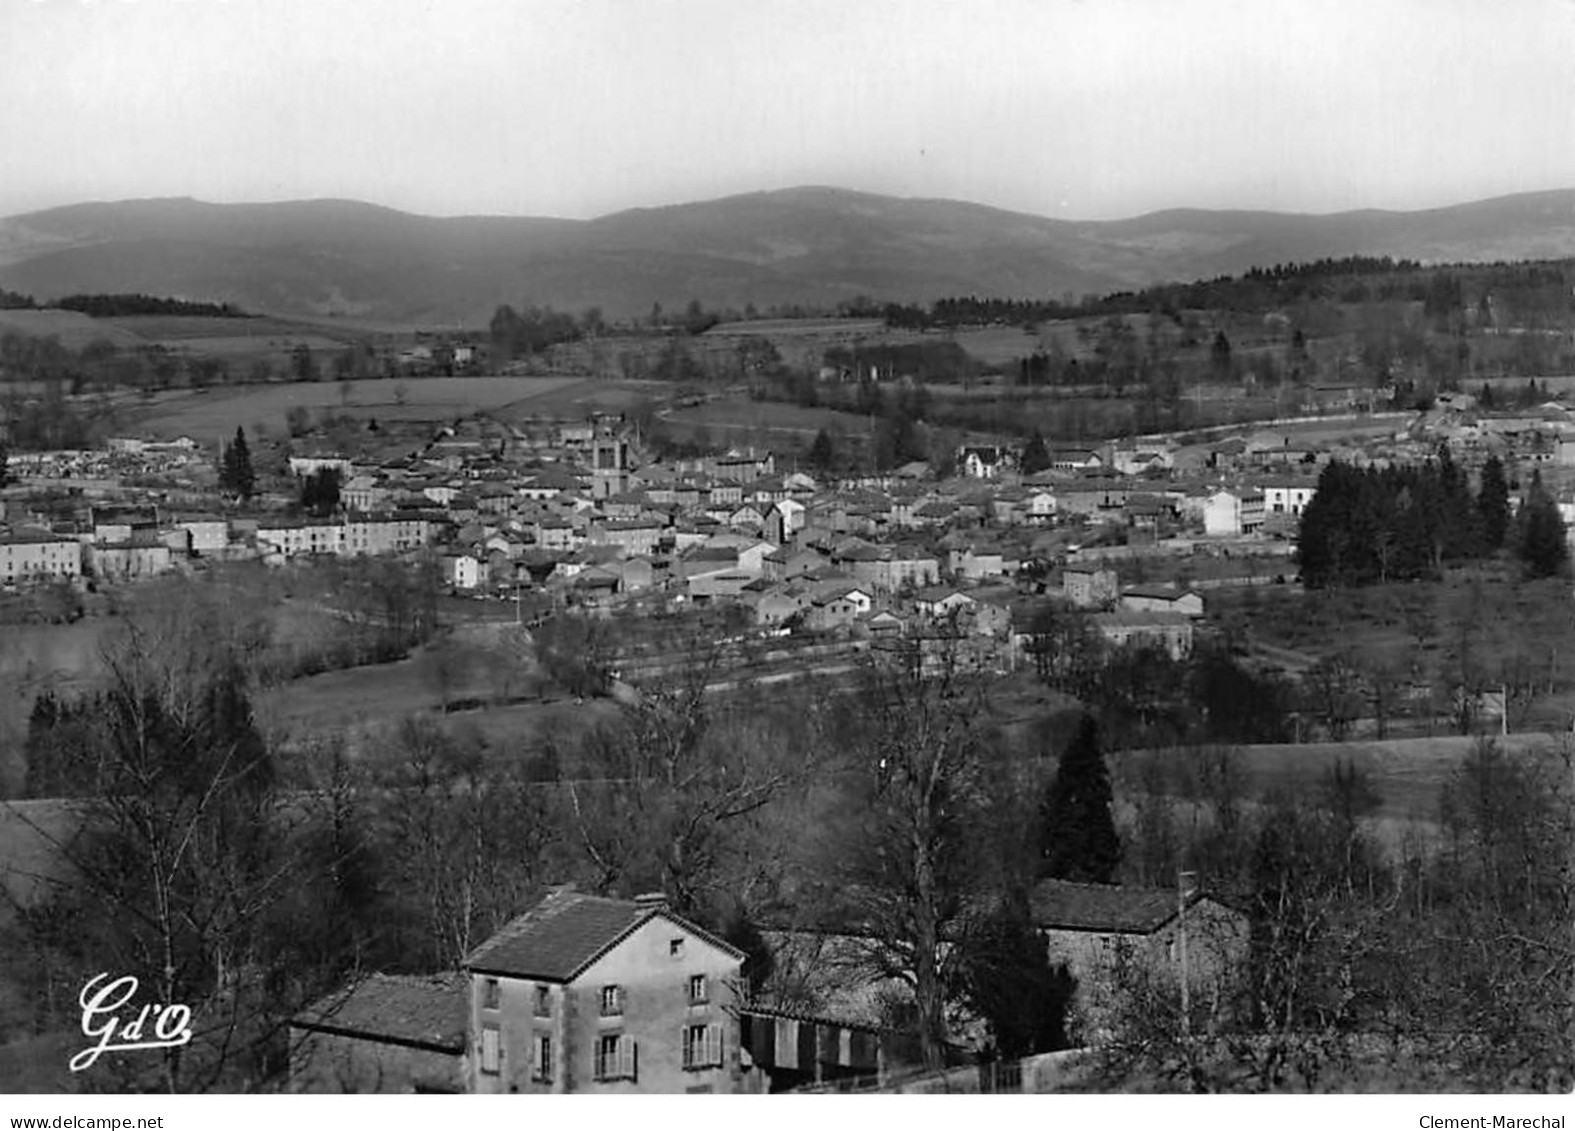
652, 899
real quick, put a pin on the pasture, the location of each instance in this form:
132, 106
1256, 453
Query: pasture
763, 423
174, 330
72, 328
213, 414
1407, 776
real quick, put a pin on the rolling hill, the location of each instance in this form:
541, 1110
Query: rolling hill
805, 245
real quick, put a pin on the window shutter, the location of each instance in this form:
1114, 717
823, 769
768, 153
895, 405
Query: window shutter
628, 1058
713, 1044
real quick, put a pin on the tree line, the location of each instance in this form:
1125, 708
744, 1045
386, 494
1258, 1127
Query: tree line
122, 305
1403, 523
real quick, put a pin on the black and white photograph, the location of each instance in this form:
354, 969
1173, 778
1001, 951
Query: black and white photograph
870, 548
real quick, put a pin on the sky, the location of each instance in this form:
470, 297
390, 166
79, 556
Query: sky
1079, 109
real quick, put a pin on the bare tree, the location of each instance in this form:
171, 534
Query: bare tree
180, 862
909, 848
671, 782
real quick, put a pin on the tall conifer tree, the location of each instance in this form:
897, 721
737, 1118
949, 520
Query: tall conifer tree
1078, 838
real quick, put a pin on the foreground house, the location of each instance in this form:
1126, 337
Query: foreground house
1106, 934
578, 994
585, 994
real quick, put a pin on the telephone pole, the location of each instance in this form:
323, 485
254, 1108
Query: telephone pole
1182, 891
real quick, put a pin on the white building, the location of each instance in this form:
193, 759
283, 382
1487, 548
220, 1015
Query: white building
1233, 512
1287, 496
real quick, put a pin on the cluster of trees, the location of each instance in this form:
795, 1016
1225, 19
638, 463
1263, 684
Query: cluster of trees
1370, 525
1444, 291
1147, 698
320, 492
124, 305
236, 475
121, 305
515, 333
1373, 964
51, 420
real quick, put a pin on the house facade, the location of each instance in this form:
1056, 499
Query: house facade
1168, 631
1100, 931
1228, 513
1089, 587
38, 555
585, 994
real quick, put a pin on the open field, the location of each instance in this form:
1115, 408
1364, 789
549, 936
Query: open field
838, 328
996, 345
574, 398
189, 330
1497, 620
767, 423
1406, 775
73, 329
214, 414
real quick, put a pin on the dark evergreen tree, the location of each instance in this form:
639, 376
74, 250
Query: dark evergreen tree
1005, 976
235, 473
1543, 545
302, 365
1078, 838
320, 492
1036, 457
5, 459
1219, 354
1493, 504
821, 452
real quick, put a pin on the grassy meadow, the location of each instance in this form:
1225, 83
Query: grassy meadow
213, 414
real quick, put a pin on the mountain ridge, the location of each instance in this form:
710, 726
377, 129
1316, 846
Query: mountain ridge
810, 245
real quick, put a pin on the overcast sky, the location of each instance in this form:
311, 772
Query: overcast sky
1085, 109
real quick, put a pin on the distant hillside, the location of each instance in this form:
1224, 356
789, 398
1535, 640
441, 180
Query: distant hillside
812, 246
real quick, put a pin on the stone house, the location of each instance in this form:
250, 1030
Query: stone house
1104, 933
1170, 632
585, 994
1089, 586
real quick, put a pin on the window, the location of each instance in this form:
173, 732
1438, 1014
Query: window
616, 1057
612, 1001
702, 1046
490, 994
675, 949
542, 1006
541, 1064
491, 1053
697, 989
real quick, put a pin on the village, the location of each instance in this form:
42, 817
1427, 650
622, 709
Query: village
573, 517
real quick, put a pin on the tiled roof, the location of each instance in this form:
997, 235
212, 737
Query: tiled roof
1156, 592
431, 1011
559, 937
1060, 905
566, 932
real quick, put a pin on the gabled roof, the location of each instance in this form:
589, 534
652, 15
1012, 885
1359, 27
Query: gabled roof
566, 932
1157, 592
422, 1011
1103, 908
